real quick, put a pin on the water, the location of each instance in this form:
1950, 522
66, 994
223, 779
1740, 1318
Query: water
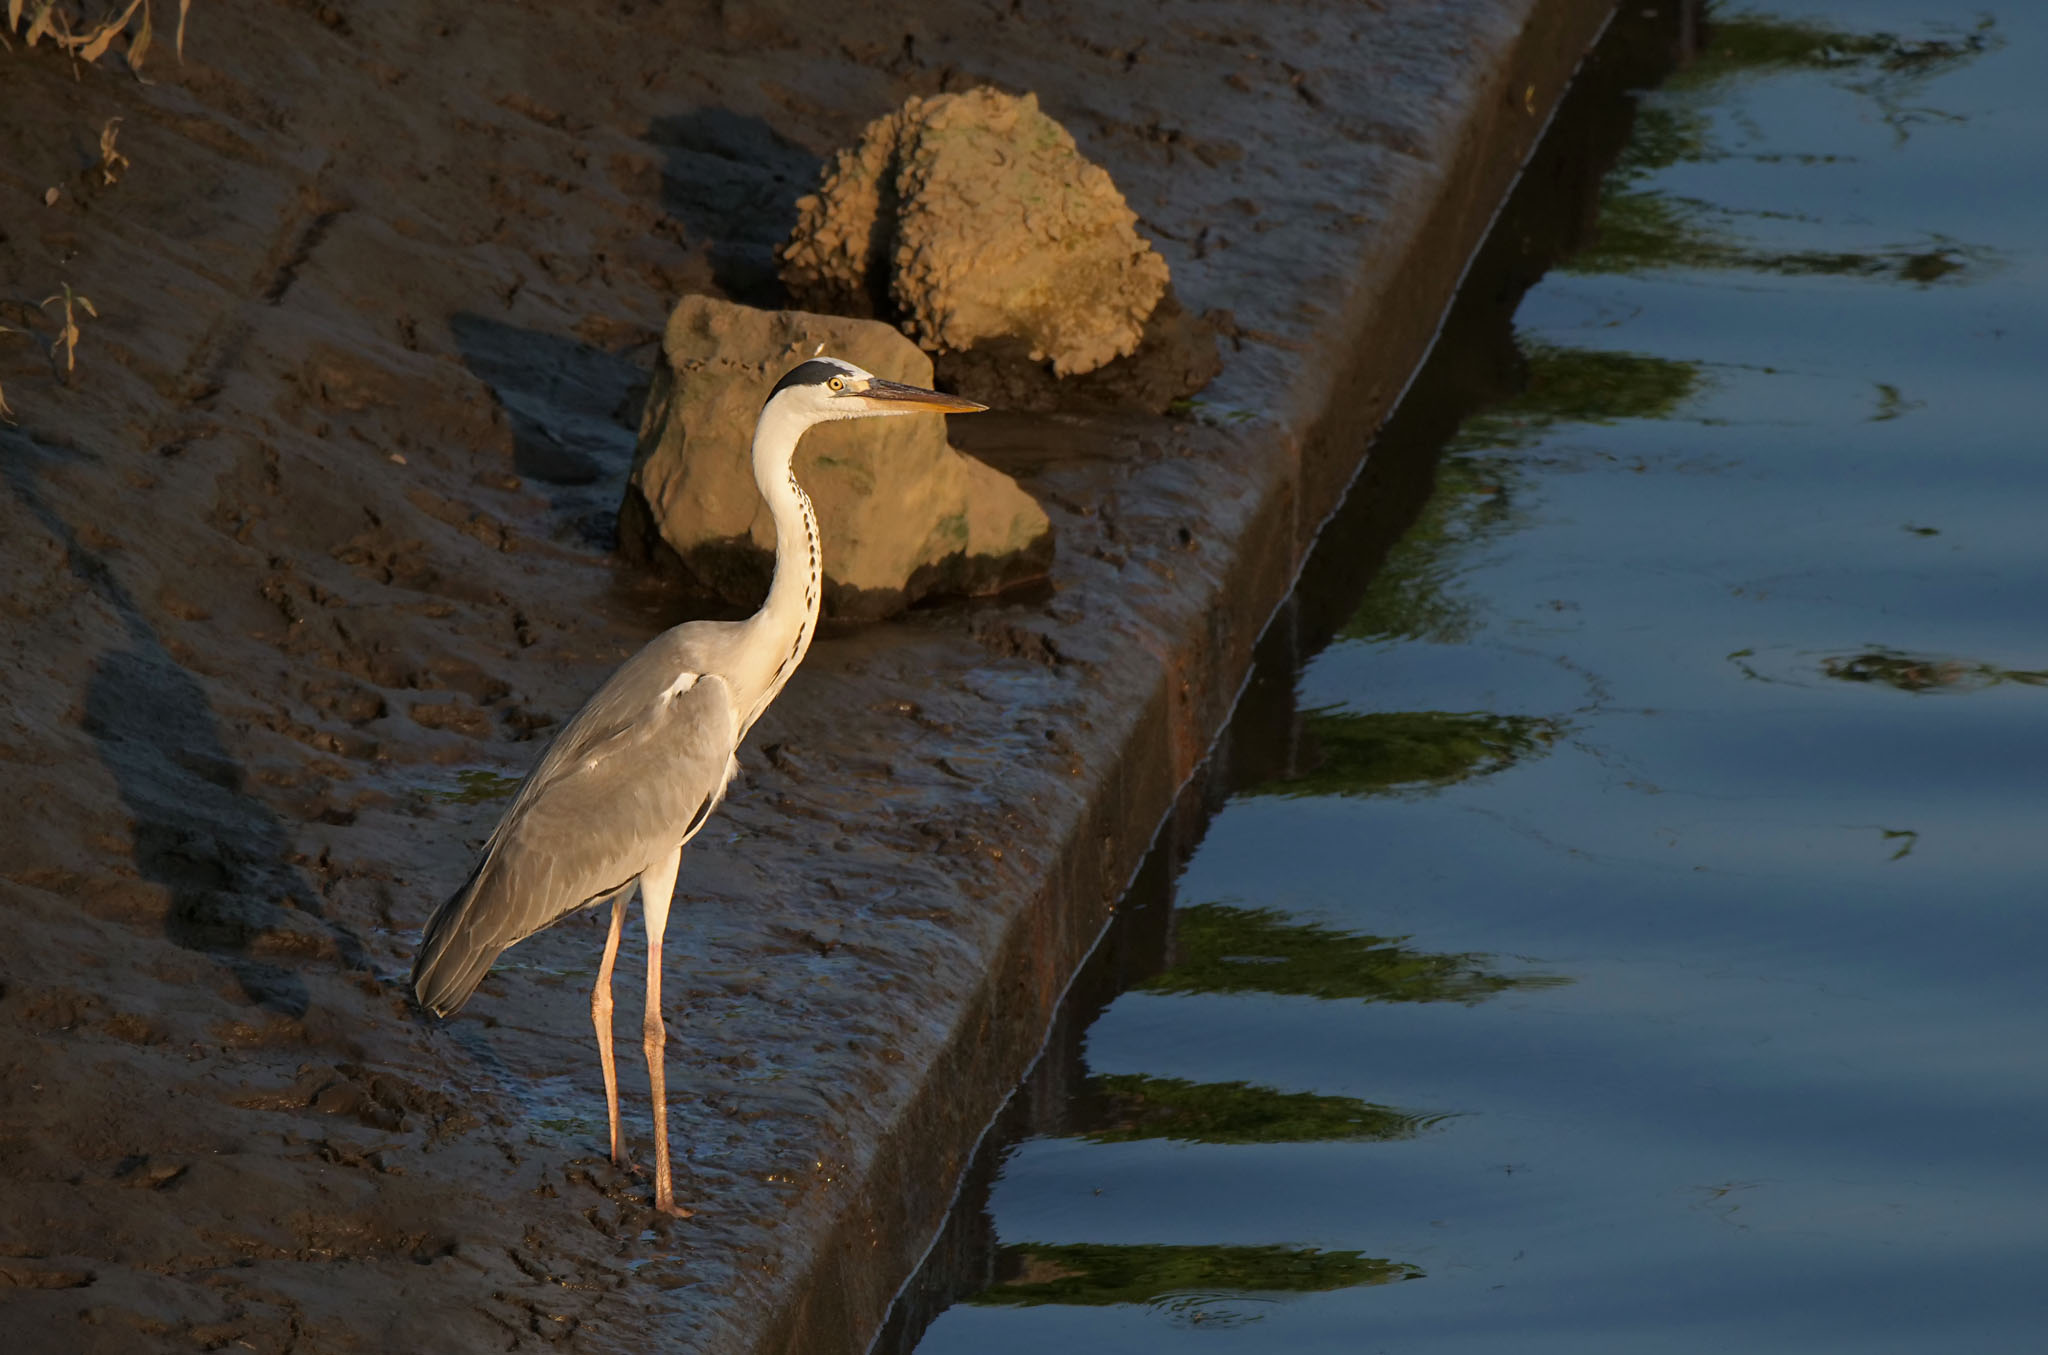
1626, 931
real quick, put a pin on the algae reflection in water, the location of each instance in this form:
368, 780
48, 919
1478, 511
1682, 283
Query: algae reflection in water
1483, 477
1390, 752
1926, 672
1643, 227
1093, 1274
1124, 1107
1223, 948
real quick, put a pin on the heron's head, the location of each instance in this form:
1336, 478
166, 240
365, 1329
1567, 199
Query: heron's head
829, 388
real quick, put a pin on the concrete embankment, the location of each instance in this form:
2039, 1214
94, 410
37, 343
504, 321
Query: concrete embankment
1287, 428
312, 558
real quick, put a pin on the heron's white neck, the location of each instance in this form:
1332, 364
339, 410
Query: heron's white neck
781, 631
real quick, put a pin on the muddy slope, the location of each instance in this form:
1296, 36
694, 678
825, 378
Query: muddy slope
316, 542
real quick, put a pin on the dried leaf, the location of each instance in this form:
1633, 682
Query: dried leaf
97, 48
111, 158
13, 15
61, 34
140, 47
41, 22
68, 335
50, 196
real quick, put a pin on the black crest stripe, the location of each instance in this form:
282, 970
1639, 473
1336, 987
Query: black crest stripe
812, 373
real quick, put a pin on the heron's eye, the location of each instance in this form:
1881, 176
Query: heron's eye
837, 383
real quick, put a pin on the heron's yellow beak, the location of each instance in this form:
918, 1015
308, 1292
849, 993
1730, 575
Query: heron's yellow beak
916, 397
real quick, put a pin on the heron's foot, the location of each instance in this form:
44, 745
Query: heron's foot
674, 1210
628, 1165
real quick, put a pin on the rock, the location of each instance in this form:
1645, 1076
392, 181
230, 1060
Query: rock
838, 258
903, 515
1177, 358
974, 218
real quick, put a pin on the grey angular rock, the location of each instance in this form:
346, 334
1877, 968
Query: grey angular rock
903, 515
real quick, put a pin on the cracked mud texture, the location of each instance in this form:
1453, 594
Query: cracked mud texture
316, 544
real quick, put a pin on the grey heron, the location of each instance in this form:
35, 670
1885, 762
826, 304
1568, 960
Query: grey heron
635, 773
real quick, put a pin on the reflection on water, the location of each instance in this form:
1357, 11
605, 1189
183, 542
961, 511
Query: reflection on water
1388, 751
1577, 385
1750, 44
1922, 673
1222, 948
1414, 594
1578, 800
1091, 1274
1127, 1106
1916, 674
1652, 230
1643, 228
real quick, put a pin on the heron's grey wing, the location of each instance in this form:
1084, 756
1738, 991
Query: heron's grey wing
601, 820
619, 711
583, 827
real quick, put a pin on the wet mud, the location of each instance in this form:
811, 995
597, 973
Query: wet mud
315, 546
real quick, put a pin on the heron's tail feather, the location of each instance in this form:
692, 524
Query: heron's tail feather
455, 953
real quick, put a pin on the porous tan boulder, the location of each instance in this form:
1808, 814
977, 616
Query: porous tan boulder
903, 515
973, 217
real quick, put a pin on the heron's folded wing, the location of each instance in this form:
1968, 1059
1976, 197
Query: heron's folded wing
592, 824
625, 710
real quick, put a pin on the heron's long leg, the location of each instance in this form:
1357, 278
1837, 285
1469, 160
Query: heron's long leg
601, 1017
657, 888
